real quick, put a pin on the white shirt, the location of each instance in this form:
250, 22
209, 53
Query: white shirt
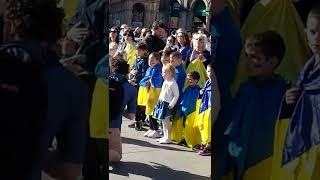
169, 92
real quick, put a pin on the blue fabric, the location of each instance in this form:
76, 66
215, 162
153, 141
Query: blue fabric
184, 51
303, 131
188, 101
251, 131
129, 100
141, 66
161, 110
154, 74
206, 97
180, 77
102, 69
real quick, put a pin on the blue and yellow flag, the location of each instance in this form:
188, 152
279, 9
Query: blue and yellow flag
197, 65
297, 143
150, 88
252, 127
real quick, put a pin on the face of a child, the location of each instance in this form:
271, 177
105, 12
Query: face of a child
166, 74
313, 33
140, 52
170, 41
175, 61
209, 72
152, 61
191, 82
165, 60
258, 64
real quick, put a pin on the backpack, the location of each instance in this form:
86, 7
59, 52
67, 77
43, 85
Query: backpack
23, 107
116, 93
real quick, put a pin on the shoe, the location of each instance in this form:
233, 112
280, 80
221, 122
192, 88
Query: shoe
165, 141
158, 140
154, 134
161, 133
147, 133
204, 152
138, 126
132, 125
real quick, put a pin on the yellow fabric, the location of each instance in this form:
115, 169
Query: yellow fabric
130, 53
260, 171
282, 17
204, 125
304, 167
177, 130
70, 7
191, 133
142, 96
197, 65
152, 99
99, 114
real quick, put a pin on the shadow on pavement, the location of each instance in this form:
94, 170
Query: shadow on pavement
155, 172
126, 140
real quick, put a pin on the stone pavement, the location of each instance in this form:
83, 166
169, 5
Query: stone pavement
143, 158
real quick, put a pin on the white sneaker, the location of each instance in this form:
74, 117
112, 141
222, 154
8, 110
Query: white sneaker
154, 134
165, 141
161, 132
158, 140
147, 133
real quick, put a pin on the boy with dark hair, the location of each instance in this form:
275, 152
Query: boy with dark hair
176, 61
138, 72
256, 107
297, 130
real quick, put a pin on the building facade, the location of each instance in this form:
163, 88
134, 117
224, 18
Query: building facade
189, 14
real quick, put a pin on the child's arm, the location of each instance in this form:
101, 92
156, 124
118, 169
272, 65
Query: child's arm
216, 105
175, 90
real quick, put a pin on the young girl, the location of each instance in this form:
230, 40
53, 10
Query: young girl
167, 100
149, 91
171, 43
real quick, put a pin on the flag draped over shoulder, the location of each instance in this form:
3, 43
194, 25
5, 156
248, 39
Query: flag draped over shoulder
296, 148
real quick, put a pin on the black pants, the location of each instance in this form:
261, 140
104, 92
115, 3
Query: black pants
140, 113
153, 123
95, 166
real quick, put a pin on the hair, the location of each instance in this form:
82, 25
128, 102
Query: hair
119, 65
174, 38
176, 54
170, 68
315, 11
157, 25
142, 45
156, 55
202, 36
204, 31
117, 38
38, 19
137, 32
271, 44
195, 75
166, 51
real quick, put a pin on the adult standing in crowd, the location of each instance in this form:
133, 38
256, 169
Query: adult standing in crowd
184, 44
199, 50
114, 41
154, 41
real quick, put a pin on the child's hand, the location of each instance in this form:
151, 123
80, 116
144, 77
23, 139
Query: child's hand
291, 95
148, 85
201, 57
201, 91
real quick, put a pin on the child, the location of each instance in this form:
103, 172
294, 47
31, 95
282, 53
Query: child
256, 107
180, 74
137, 73
299, 116
167, 100
149, 91
171, 43
187, 110
165, 56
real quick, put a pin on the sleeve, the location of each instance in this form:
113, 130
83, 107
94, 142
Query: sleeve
216, 105
148, 41
75, 131
175, 90
131, 106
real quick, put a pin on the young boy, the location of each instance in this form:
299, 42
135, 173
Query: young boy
297, 130
176, 61
256, 107
137, 73
187, 110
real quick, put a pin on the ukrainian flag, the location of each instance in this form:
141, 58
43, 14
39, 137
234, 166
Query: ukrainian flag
148, 95
197, 65
183, 126
297, 138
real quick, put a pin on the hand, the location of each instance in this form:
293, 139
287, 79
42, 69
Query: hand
170, 107
292, 95
70, 63
148, 85
77, 34
201, 57
201, 91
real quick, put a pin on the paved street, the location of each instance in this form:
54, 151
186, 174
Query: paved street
143, 159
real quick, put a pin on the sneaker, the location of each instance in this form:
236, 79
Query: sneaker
204, 152
165, 141
132, 125
147, 133
161, 132
160, 139
154, 134
138, 126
